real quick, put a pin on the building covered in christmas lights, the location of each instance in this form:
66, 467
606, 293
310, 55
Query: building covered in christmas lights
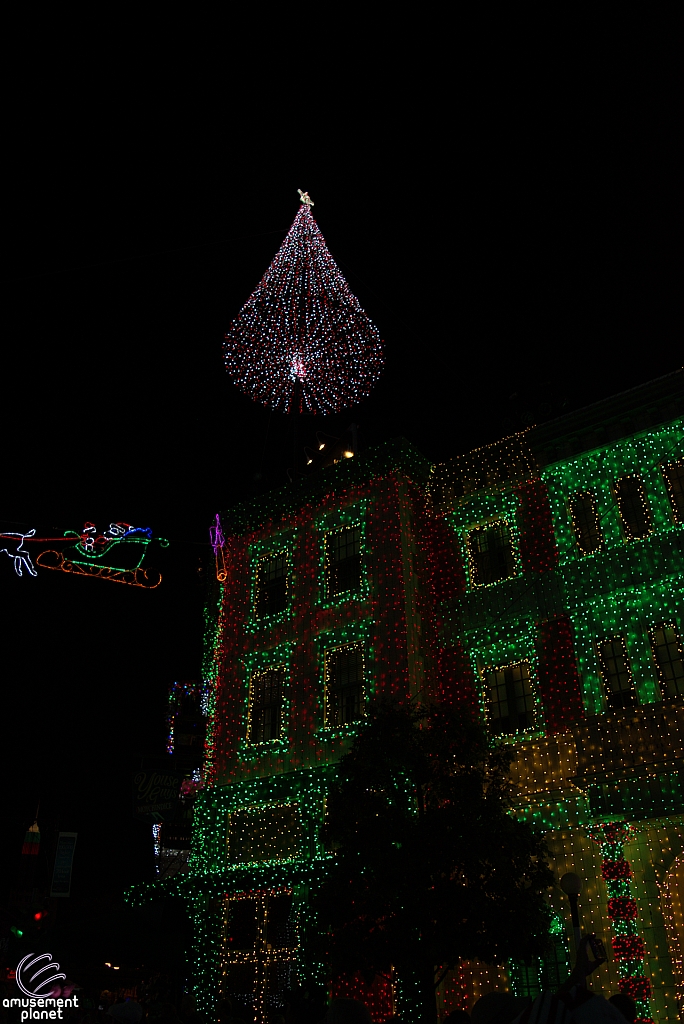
541, 580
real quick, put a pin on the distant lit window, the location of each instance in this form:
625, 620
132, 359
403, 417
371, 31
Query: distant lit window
259, 952
634, 511
491, 553
344, 686
265, 711
616, 673
585, 522
271, 585
674, 478
667, 651
510, 701
343, 561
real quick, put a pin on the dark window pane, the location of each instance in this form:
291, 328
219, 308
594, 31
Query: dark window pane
510, 699
344, 691
281, 975
667, 652
634, 510
271, 585
585, 522
240, 982
343, 560
526, 978
555, 966
265, 706
674, 478
491, 553
617, 675
280, 926
241, 925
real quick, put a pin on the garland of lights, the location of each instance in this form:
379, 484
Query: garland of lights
302, 342
628, 946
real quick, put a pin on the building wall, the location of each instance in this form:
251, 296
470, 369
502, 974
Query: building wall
429, 629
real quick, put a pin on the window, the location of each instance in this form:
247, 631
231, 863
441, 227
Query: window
585, 522
344, 686
343, 561
510, 699
271, 585
241, 924
667, 652
674, 478
265, 709
616, 672
491, 553
258, 834
260, 945
544, 974
634, 511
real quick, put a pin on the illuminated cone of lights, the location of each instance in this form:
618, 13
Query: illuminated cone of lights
302, 342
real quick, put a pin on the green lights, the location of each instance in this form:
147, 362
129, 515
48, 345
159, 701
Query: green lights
513, 591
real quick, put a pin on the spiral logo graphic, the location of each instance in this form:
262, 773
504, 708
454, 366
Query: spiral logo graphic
37, 972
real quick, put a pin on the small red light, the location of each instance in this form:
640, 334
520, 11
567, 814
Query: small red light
37, 917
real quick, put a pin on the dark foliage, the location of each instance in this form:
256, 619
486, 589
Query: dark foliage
429, 866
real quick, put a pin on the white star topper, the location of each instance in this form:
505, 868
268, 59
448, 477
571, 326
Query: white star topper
305, 198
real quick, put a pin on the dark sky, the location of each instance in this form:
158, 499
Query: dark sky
508, 215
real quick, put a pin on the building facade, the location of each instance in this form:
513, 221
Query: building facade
541, 580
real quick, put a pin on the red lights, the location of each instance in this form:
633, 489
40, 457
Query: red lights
537, 541
559, 684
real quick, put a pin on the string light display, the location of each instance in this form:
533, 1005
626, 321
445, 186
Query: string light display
672, 900
625, 586
13, 547
401, 536
302, 342
116, 554
628, 947
266, 950
673, 473
376, 993
538, 550
257, 664
179, 693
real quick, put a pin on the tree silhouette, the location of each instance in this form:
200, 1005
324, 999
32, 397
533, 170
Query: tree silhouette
430, 867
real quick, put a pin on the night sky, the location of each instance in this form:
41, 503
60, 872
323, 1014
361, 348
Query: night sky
512, 226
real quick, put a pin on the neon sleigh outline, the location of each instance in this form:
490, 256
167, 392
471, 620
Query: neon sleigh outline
90, 555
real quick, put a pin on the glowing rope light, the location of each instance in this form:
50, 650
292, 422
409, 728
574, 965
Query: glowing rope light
218, 542
16, 552
302, 342
116, 554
